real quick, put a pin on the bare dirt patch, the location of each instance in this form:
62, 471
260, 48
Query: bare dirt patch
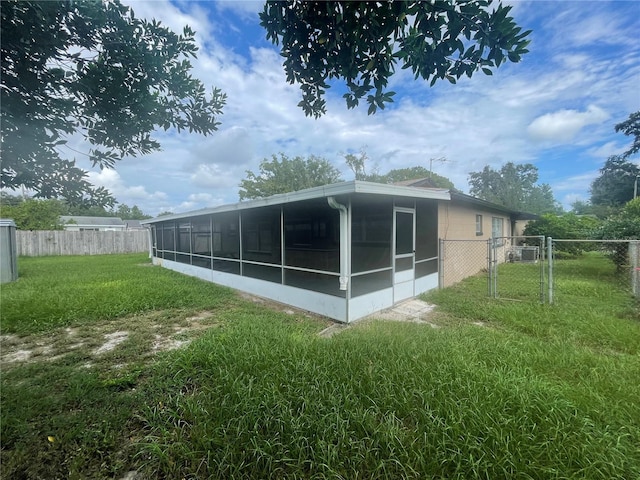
142, 337
112, 341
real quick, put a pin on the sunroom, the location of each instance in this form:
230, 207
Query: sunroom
344, 250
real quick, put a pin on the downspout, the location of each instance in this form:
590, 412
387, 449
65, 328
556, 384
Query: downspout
344, 241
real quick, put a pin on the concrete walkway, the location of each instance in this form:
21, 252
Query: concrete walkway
412, 310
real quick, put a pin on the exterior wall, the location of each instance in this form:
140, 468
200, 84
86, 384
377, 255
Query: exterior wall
458, 222
464, 252
292, 250
519, 227
316, 302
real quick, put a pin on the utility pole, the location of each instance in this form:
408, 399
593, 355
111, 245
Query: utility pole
431, 160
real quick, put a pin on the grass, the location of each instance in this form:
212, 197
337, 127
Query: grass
53, 292
502, 390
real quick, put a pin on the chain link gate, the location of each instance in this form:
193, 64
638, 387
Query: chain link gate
519, 263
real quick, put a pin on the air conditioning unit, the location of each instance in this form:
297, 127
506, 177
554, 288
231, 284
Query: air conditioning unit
523, 254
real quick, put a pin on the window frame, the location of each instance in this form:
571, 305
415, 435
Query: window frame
479, 225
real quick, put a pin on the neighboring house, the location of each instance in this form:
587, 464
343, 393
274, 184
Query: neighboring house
75, 223
133, 225
344, 250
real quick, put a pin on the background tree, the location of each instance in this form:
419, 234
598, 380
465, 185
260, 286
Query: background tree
130, 213
581, 207
415, 173
614, 186
287, 175
363, 42
35, 214
631, 127
93, 70
624, 225
513, 186
358, 165
566, 226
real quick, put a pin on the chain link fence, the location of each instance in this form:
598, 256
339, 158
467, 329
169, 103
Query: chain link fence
541, 269
460, 259
610, 263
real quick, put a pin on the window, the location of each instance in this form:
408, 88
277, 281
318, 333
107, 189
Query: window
497, 228
478, 225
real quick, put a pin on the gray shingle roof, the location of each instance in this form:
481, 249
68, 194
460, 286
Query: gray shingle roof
82, 220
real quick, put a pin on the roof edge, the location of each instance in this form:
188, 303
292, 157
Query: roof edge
342, 188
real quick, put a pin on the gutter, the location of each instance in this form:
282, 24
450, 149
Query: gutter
344, 241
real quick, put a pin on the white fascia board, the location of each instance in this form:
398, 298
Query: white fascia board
401, 191
343, 188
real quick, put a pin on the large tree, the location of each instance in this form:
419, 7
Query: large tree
125, 212
362, 43
615, 185
415, 173
90, 71
35, 214
631, 127
287, 175
358, 165
513, 186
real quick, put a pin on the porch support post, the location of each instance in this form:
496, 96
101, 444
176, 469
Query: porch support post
344, 241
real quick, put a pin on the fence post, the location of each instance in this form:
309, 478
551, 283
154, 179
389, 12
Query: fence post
440, 263
493, 267
489, 272
550, 260
542, 262
634, 260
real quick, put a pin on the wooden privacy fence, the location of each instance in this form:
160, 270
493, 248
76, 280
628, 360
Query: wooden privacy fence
39, 243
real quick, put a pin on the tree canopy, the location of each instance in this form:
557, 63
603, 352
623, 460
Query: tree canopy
287, 175
35, 214
566, 226
363, 42
358, 165
93, 71
614, 187
631, 127
44, 214
513, 186
415, 173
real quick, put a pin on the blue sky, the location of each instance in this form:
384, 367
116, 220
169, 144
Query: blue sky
556, 109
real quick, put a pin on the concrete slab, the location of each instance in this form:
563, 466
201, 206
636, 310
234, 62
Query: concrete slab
412, 310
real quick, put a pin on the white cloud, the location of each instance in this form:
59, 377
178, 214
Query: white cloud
563, 125
521, 113
581, 182
128, 194
606, 150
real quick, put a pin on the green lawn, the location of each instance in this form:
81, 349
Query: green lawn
502, 389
